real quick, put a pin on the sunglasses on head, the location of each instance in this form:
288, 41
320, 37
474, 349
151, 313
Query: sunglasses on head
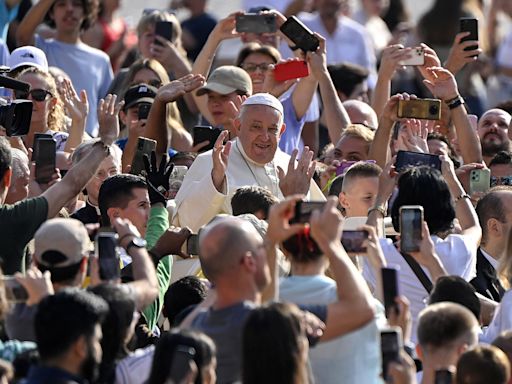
504, 180
36, 94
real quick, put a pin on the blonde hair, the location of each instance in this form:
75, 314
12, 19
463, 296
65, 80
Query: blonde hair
359, 131
56, 116
505, 265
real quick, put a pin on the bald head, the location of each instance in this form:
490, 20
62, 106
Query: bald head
223, 243
361, 113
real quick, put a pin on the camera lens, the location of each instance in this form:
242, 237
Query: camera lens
434, 110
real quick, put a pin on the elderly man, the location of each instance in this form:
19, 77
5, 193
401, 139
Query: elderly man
251, 159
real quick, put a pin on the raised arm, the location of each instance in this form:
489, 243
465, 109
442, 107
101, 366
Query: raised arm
34, 17
78, 176
354, 306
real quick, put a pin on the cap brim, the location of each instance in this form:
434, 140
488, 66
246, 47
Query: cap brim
138, 101
28, 64
215, 87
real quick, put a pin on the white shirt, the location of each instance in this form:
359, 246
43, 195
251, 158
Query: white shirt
490, 259
136, 367
457, 253
377, 29
198, 201
501, 321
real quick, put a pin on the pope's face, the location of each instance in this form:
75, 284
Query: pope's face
258, 130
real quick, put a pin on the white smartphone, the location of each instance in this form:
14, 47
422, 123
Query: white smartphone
417, 57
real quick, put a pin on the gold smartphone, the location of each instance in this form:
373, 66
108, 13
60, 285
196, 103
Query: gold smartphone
423, 109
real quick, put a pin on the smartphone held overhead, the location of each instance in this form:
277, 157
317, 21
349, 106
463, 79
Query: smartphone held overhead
294, 69
302, 36
256, 23
304, 209
411, 231
416, 57
45, 159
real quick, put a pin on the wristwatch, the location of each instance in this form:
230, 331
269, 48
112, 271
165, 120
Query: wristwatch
137, 242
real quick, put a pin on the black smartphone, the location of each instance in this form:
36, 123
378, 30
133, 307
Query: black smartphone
411, 219
38, 136
405, 159
181, 361
14, 291
164, 29
144, 147
193, 245
143, 111
108, 257
443, 376
301, 35
353, 241
470, 25
256, 23
45, 160
390, 346
203, 133
390, 289
303, 210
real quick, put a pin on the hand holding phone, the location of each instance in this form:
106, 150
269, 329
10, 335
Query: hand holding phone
144, 147
302, 36
304, 209
411, 228
45, 160
108, 257
14, 291
354, 241
390, 289
293, 69
479, 180
390, 344
417, 57
256, 23
202, 133
469, 25
164, 29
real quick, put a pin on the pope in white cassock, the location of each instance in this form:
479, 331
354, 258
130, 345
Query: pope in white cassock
253, 158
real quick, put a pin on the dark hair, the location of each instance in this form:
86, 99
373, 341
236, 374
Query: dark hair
250, 48
396, 13
346, 76
63, 318
271, 339
167, 346
484, 364
360, 169
91, 9
181, 294
63, 275
489, 207
117, 191
251, 200
5, 157
439, 25
336, 186
302, 248
115, 326
505, 105
452, 154
426, 187
456, 290
183, 156
502, 157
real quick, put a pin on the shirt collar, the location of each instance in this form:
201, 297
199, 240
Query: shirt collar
490, 259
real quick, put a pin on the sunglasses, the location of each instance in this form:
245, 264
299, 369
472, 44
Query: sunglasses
504, 180
36, 94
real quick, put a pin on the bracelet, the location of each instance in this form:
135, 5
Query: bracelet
455, 102
120, 240
378, 208
463, 196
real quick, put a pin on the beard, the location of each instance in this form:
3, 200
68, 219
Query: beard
90, 367
492, 147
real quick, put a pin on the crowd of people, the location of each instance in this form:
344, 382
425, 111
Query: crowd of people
173, 215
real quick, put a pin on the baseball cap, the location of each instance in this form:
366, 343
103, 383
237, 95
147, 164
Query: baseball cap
27, 56
140, 93
227, 79
264, 99
61, 243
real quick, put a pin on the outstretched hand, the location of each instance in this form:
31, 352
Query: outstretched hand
177, 88
298, 177
108, 112
220, 155
157, 178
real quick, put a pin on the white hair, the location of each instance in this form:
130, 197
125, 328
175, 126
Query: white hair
244, 107
19, 158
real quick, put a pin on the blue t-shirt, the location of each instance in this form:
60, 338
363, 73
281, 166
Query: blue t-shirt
121, 143
88, 67
291, 137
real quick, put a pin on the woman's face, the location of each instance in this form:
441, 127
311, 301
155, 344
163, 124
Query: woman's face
146, 76
256, 65
40, 109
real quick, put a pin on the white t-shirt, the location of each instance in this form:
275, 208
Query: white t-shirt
135, 368
457, 253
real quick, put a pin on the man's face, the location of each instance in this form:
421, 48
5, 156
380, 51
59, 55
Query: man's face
351, 149
360, 92
493, 130
90, 365
137, 210
218, 106
259, 130
108, 167
330, 8
18, 190
360, 196
68, 15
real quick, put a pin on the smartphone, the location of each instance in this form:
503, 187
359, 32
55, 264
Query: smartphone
164, 29
193, 245
108, 256
390, 346
45, 160
14, 291
353, 241
144, 147
182, 358
303, 210
390, 288
345, 165
291, 70
203, 133
411, 219
405, 159
417, 57
302, 36
143, 112
443, 376
38, 136
479, 180
256, 23
470, 25
424, 109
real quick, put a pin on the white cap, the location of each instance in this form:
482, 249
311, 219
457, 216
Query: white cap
264, 99
27, 56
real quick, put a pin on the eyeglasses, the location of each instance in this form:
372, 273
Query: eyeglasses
251, 67
36, 94
504, 180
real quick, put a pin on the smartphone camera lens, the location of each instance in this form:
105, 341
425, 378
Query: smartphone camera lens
434, 110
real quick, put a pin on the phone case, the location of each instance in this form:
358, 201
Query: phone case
410, 227
144, 147
469, 25
291, 70
389, 287
424, 109
45, 160
353, 241
301, 35
479, 180
164, 29
203, 133
391, 344
256, 23
418, 57
406, 159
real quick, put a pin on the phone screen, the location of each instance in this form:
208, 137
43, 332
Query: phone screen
353, 241
193, 245
45, 160
410, 228
14, 291
204, 133
390, 344
164, 29
256, 23
303, 210
143, 111
106, 246
390, 288
301, 35
406, 159
469, 25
